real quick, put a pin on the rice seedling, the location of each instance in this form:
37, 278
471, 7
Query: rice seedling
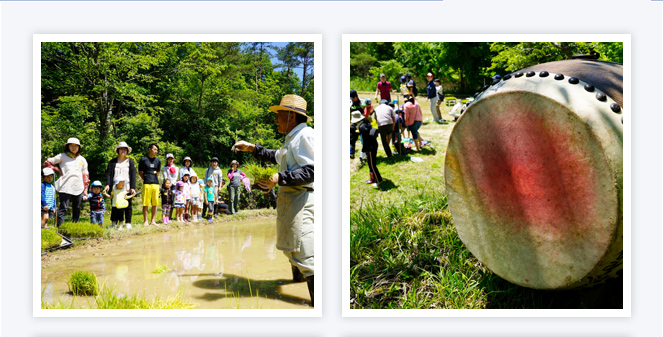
83, 283
162, 268
49, 239
110, 299
257, 172
81, 230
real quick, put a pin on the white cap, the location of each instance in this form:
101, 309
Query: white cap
47, 171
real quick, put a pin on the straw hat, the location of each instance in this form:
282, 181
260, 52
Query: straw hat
292, 103
121, 145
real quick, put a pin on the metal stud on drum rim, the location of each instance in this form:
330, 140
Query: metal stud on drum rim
534, 180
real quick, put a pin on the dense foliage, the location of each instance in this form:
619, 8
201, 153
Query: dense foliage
193, 99
461, 66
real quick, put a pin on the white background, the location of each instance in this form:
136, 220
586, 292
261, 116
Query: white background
640, 18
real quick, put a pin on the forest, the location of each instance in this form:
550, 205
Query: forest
463, 67
193, 99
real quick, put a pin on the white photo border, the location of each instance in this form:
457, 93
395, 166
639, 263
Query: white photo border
36, 151
345, 205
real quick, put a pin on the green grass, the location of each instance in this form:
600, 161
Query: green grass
405, 252
49, 239
81, 230
83, 283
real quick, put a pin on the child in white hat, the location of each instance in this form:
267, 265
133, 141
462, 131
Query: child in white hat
47, 196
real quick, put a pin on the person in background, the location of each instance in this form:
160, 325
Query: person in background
397, 135
180, 200
368, 109
187, 167
118, 203
186, 187
194, 187
413, 119
74, 179
47, 196
210, 197
369, 134
383, 88
148, 169
354, 130
235, 176
215, 173
97, 205
411, 86
440, 98
167, 199
123, 168
385, 117
431, 96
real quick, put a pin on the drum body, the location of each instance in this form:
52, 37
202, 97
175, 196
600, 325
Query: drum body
534, 175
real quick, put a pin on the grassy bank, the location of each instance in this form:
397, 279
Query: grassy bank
405, 252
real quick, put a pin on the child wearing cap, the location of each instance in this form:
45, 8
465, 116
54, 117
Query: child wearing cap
119, 203
368, 110
47, 196
97, 205
210, 197
235, 176
167, 196
180, 200
194, 188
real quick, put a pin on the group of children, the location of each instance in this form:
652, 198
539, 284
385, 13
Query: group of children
184, 197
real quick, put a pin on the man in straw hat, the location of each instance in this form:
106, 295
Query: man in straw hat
294, 223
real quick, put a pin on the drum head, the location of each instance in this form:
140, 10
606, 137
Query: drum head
533, 177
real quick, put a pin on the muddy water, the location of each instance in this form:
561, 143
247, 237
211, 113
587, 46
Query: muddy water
219, 266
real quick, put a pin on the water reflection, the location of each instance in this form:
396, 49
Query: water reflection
229, 265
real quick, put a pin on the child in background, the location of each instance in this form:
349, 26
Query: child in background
368, 110
234, 185
210, 197
194, 187
119, 203
187, 196
167, 197
97, 205
47, 196
180, 200
397, 134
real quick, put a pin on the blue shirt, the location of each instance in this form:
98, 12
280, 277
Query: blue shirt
47, 195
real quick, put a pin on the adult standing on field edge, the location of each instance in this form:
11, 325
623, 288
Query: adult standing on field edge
74, 180
123, 168
383, 88
148, 169
295, 203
